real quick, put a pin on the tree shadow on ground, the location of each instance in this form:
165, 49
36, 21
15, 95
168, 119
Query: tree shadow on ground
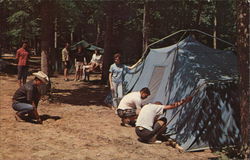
44, 117
94, 93
31, 119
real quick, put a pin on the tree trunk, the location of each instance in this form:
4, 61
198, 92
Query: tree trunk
215, 26
107, 57
98, 33
242, 44
46, 35
198, 16
145, 30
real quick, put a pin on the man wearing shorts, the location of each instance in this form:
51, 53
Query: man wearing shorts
26, 98
130, 106
22, 56
65, 61
148, 126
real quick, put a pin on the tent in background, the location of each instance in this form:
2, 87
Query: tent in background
191, 68
89, 46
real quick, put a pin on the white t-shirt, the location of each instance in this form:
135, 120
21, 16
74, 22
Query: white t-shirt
131, 101
147, 115
96, 58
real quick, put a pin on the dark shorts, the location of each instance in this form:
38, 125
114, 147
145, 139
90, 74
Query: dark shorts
67, 65
22, 72
146, 134
126, 113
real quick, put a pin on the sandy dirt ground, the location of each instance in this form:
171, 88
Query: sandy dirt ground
76, 126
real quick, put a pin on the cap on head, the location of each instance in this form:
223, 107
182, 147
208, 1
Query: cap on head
42, 76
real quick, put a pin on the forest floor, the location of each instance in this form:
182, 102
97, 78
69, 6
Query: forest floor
76, 126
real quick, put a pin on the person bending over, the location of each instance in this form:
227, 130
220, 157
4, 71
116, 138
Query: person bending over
148, 127
130, 106
26, 98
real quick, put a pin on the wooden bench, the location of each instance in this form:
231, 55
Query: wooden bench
88, 73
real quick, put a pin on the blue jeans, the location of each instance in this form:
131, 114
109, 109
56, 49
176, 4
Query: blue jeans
117, 94
22, 108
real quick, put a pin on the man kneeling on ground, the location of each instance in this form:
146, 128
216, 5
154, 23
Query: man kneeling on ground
130, 106
148, 127
26, 98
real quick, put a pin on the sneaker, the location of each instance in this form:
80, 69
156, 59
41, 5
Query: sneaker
155, 142
125, 125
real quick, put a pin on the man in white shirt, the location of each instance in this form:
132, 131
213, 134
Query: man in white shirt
148, 127
130, 106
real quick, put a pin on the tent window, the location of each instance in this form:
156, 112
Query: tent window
155, 80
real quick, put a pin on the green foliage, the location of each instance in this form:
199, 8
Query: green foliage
21, 19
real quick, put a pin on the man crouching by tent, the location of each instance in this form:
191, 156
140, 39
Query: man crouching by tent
148, 127
26, 98
130, 106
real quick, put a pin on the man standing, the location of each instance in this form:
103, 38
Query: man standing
130, 106
65, 60
148, 127
26, 98
22, 56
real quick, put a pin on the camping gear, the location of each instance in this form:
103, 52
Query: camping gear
186, 68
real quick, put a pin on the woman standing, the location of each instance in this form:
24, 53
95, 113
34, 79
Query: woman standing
116, 73
80, 60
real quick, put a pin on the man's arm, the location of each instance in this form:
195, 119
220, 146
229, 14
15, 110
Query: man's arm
110, 81
63, 55
133, 66
36, 113
177, 104
17, 56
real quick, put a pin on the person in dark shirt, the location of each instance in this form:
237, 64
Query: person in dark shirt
80, 61
26, 98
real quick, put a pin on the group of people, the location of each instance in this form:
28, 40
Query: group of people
148, 120
27, 96
81, 64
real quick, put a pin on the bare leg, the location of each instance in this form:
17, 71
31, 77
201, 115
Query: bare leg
80, 74
20, 83
65, 74
24, 80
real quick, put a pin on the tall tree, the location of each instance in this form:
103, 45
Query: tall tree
47, 34
145, 30
107, 57
243, 61
215, 25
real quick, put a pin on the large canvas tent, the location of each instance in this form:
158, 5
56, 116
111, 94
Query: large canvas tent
191, 68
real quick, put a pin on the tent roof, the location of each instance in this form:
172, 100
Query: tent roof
87, 45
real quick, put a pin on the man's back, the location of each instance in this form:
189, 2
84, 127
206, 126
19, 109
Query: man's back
131, 101
147, 115
26, 93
